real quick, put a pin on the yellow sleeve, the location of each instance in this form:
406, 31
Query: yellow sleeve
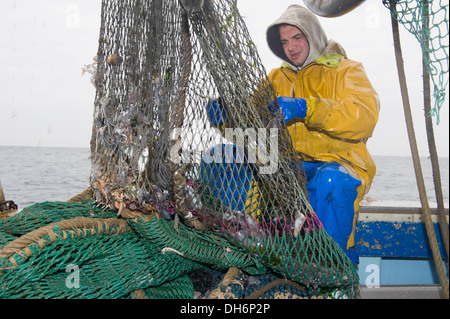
352, 111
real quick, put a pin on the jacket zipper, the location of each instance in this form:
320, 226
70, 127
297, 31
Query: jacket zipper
299, 75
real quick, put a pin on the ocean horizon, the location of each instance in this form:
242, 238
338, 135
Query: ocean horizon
34, 174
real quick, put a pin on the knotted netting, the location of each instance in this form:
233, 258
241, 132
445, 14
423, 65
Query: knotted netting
428, 22
157, 147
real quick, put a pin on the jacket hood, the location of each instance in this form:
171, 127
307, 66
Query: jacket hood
308, 23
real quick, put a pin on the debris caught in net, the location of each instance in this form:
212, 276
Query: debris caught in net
154, 147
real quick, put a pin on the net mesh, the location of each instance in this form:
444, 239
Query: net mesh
174, 190
85, 256
428, 22
160, 64
77, 250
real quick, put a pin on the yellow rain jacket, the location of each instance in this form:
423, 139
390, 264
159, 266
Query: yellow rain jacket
342, 104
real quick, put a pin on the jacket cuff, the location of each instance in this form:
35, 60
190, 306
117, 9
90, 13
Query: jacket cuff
311, 108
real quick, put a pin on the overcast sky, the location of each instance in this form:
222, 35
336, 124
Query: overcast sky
44, 99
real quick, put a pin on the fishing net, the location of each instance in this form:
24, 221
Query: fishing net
173, 190
86, 252
159, 145
428, 22
78, 250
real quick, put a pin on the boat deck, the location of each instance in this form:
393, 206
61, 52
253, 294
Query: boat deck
395, 256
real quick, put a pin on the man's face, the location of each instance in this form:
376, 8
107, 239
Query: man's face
294, 43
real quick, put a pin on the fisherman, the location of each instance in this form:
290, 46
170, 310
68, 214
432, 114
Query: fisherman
330, 109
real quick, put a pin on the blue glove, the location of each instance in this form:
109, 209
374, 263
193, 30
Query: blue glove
291, 107
216, 112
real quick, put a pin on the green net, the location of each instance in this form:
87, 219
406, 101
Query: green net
85, 255
110, 259
428, 22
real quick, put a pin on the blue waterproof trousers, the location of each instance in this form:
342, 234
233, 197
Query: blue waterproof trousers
332, 194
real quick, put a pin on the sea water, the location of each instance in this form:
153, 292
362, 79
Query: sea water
32, 175
395, 182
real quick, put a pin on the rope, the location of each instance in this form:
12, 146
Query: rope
416, 160
85, 195
227, 280
69, 228
139, 294
273, 284
180, 172
178, 115
430, 133
225, 290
